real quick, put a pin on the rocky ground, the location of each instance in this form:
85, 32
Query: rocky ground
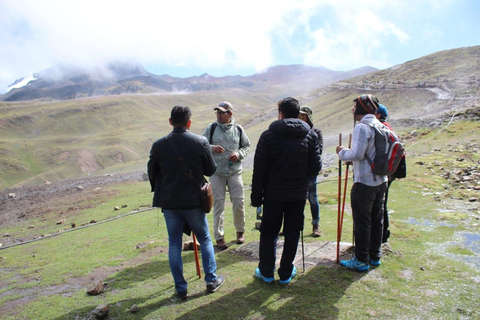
25, 203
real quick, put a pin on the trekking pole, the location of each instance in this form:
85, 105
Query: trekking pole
339, 200
195, 249
353, 223
303, 253
345, 188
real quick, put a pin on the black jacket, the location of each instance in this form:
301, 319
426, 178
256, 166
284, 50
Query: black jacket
286, 155
320, 139
173, 189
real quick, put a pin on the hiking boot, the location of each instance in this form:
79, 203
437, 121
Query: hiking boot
240, 237
215, 284
221, 244
287, 281
182, 295
354, 264
316, 231
259, 275
375, 263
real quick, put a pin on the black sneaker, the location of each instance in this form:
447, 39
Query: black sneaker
182, 295
217, 283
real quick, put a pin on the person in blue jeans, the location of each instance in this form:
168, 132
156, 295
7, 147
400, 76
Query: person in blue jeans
179, 198
306, 114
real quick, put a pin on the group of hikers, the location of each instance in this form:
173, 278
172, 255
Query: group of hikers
286, 164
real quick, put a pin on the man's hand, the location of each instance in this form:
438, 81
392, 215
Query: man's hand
218, 149
340, 148
234, 157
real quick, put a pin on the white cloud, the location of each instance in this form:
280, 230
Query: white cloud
228, 37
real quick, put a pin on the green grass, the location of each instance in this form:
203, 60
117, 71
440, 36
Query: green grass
429, 273
421, 278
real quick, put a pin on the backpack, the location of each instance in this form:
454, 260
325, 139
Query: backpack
389, 151
214, 126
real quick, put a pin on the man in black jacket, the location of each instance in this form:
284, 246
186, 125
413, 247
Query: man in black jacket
178, 196
286, 155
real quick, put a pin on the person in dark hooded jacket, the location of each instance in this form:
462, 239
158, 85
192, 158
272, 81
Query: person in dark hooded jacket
286, 155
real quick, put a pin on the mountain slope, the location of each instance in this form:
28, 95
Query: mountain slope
56, 140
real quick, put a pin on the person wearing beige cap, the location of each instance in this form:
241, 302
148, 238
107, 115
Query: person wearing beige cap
230, 145
306, 115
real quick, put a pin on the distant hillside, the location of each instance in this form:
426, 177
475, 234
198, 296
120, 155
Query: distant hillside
50, 140
70, 82
420, 89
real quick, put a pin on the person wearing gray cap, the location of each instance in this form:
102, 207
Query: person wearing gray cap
230, 145
306, 115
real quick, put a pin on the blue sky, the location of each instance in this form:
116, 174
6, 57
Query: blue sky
187, 37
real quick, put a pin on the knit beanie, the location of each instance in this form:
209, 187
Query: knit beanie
366, 104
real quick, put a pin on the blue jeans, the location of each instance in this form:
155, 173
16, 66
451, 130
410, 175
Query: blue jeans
313, 199
274, 213
197, 220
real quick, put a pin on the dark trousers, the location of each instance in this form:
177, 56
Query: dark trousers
367, 210
274, 212
386, 222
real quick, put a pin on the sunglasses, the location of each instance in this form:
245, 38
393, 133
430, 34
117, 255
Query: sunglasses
221, 112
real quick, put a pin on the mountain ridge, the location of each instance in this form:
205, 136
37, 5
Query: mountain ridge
71, 82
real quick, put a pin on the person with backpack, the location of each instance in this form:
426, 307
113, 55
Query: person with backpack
230, 145
368, 189
400, 172
382, 114
306, 114
287, 143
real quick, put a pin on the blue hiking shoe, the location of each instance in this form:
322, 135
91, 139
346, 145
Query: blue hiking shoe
354, 264
259, 275
375, 263
287, 281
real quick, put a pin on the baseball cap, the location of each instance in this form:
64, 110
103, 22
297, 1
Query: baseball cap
224, 106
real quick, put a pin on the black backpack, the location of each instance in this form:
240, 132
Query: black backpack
389, 152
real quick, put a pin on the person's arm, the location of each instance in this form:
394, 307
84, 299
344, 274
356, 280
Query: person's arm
359, 144
245, 147
260, 171
209, 164
314, 159
320, 140
153, 169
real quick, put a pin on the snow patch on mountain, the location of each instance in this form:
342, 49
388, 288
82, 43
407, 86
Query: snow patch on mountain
22, 82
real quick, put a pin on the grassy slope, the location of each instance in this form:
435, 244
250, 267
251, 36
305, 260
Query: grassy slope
429, 274
44, 140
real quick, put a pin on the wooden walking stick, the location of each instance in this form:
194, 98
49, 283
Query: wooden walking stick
345, 188
197, 261
339, 200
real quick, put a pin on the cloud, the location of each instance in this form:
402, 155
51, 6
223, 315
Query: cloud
358, 38
214, 36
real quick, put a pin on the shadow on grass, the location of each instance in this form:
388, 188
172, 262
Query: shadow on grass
133, 278
312, 295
